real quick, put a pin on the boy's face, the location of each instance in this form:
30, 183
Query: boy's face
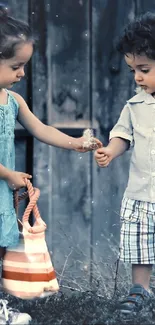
144, 71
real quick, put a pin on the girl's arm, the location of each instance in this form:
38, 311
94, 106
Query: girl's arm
14, 179
46, 133
4, 172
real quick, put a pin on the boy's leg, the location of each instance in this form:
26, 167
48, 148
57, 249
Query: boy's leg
139, 293
137, 246
141, 274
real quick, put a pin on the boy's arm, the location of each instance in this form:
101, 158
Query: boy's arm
118, 146
115, 148
121, 137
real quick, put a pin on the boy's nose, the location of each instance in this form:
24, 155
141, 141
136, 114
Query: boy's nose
138, 77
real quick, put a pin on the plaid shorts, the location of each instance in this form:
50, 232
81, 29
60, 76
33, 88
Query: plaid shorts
137, 238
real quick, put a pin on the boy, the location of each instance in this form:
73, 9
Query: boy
136, 128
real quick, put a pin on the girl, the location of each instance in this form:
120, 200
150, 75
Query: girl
16, 48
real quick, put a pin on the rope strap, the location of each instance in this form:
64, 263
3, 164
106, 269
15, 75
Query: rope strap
33, 193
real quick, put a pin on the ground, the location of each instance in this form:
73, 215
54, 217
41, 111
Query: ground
75, 308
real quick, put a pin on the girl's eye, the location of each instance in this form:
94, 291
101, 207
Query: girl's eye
143, 71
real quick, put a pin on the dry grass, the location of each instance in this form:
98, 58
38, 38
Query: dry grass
75, 308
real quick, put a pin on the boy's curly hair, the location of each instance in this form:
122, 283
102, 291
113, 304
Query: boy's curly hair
139, 36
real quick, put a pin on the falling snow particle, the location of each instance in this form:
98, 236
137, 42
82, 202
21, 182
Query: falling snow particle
85, 267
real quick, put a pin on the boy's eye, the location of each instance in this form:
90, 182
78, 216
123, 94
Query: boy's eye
15, 68
145, 70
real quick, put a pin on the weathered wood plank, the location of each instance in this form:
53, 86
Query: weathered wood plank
112, 87
143, 6
41, 163
68, 52
68, 101
20, 146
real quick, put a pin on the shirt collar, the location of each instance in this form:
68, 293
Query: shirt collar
142, 96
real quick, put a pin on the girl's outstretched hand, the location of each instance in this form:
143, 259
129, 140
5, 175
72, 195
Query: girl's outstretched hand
103, 156
15, 179
82, 145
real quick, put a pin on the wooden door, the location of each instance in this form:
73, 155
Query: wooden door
76, 80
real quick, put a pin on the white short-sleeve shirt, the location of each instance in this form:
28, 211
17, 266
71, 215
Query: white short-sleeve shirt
137, 124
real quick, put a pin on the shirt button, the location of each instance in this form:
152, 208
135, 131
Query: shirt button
154, 129
152, 152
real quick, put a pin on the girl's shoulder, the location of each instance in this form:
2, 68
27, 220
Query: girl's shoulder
14, 95
12, 100
18, 98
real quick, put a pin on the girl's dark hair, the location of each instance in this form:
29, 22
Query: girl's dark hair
139, 36
12, 33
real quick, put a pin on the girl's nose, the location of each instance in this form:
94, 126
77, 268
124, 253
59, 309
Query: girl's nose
21, 73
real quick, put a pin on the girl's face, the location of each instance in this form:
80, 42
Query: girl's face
144, 71
12, 70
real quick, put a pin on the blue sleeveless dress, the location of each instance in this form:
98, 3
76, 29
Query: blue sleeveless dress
9, 233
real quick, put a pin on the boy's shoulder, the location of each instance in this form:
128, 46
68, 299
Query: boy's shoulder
138, 98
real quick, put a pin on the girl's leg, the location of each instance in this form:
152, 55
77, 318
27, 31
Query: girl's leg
15, 317
2, 252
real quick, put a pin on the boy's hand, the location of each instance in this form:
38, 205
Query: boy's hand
83, 146
103, 156
16, 180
